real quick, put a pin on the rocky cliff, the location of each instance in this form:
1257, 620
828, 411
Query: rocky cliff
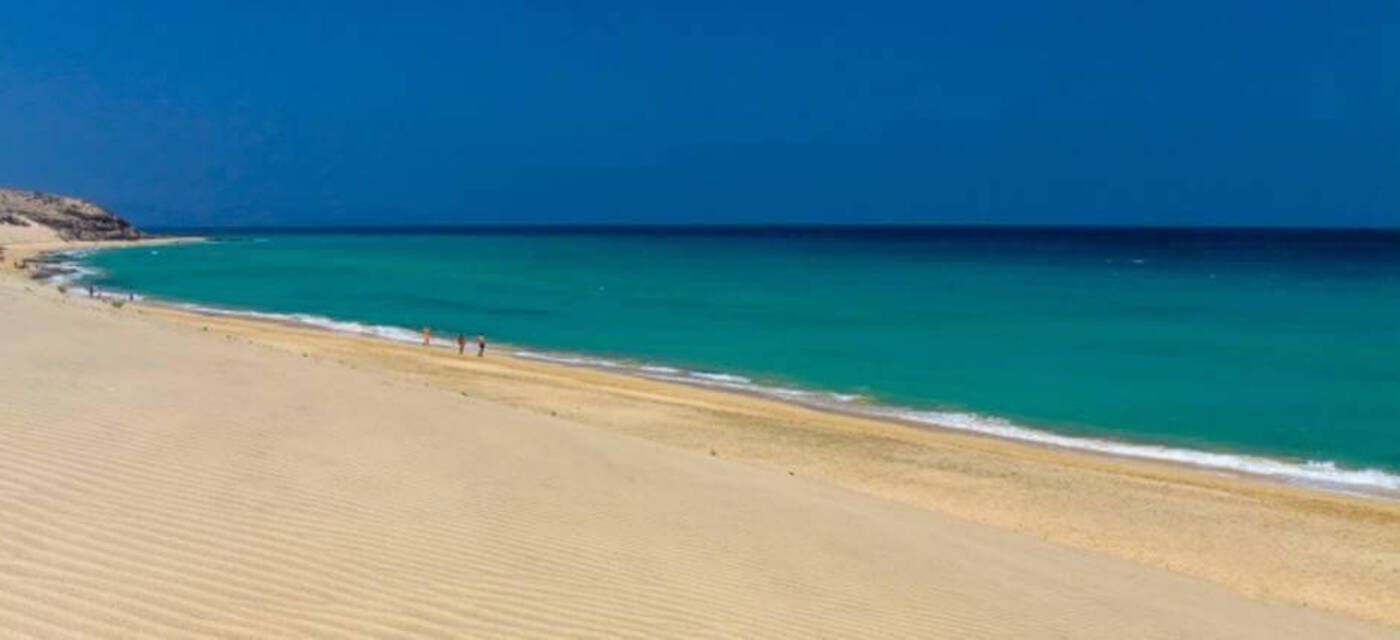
69, 218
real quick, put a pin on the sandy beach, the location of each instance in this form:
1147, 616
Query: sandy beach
170, 474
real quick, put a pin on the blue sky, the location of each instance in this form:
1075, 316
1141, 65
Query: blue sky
1219, 112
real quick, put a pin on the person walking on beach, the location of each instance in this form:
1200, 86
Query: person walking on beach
480, 345
461, 344
427, 336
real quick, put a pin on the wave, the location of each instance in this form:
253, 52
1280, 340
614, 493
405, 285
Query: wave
63, 269
1315, 473
700, 378
386, 332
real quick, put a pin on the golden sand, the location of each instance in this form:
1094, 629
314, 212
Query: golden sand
167, 474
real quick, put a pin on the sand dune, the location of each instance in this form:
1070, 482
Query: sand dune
26, 234
159, 480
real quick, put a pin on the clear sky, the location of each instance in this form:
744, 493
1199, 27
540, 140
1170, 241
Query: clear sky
1063, 111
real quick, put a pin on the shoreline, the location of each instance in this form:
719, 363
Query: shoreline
1150, 512
1322, 475
17, 254
1360, 482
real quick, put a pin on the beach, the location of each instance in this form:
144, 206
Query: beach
169, 473
1248, 351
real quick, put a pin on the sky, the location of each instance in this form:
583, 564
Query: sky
1217, 112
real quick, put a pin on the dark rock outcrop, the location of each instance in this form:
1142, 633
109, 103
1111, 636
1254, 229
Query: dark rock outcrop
70, 218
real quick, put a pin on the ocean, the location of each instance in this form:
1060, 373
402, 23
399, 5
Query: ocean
1274, 352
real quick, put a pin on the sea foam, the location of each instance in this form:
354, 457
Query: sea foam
1315, 473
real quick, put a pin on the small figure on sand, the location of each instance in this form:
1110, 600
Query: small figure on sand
90, 291
427, 336
480, 345
461, 344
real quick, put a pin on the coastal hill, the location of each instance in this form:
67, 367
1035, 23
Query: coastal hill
32, 216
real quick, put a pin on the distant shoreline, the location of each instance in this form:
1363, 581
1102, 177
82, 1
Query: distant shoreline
29, 251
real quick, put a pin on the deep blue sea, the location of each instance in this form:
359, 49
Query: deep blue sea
1272, 351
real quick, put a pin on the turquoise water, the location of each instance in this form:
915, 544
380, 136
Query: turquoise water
1284, 345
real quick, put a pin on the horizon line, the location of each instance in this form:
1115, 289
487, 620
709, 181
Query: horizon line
758, 226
